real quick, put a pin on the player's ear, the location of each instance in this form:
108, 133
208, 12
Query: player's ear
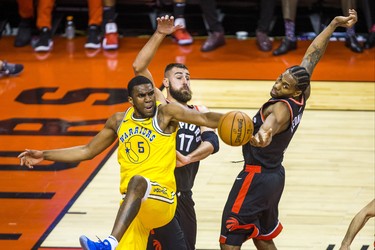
166, 82
297, 93
130, 100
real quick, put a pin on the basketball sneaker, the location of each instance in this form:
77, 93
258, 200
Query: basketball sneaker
10, 69
44, 43
182, 37
88, 244
24, 34
93, 37
110, 40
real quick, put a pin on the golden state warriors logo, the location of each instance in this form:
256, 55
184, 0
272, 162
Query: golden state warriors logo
137, 149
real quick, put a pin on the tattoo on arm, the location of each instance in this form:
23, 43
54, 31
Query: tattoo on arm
312, 59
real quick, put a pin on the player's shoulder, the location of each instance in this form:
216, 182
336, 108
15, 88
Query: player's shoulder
201, 108
115, 120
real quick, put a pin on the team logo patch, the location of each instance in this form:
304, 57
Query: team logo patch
137, 149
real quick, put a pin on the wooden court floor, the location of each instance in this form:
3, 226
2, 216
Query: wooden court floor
64, 97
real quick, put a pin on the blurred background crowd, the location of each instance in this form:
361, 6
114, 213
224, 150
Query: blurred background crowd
104, 22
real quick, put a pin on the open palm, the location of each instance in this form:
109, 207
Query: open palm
166, 25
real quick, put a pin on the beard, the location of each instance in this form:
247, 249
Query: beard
183, 95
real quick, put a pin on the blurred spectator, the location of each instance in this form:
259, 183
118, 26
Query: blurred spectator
44, 23
351, 39
368, 7
181, 36
27, 23
10, 69
95, 21
215, 29
289, 8
266, 14
110, 40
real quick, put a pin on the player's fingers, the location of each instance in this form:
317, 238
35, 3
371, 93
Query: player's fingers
21, 155
28, 164
254, 141
22, 161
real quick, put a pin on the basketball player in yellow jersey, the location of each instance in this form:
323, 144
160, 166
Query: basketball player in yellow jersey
146, 134
144, 149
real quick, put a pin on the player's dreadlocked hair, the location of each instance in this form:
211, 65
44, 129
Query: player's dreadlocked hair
301, 75
137, 80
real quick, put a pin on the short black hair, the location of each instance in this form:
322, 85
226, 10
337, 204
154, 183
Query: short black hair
301, 75
135, 81
174, 65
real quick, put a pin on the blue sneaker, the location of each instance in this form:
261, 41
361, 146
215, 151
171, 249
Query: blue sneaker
88, 244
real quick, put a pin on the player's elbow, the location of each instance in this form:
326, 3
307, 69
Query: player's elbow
136, 68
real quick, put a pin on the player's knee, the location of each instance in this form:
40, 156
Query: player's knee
138, 185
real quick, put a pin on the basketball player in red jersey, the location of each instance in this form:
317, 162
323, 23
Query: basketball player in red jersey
251, 211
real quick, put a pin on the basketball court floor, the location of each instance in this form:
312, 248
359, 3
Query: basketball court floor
63, 98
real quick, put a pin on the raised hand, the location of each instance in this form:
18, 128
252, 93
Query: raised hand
166, 25
347, 21
30, 158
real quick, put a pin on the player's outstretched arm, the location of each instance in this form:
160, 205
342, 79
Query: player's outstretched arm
318, 46
357, 223
97, 145
176, 112
165, 26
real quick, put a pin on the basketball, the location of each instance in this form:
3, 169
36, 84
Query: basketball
235, 128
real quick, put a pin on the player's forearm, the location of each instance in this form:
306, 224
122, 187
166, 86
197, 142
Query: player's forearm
148, 51
317, 48
212, 119
205, 149
73, 154
355, 225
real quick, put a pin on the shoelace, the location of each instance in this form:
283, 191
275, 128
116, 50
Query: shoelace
102, 244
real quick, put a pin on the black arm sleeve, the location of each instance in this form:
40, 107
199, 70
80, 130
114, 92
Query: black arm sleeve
212, 138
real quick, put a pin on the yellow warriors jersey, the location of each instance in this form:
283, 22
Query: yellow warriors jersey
144, 149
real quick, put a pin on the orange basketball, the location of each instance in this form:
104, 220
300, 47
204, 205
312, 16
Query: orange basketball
235, 128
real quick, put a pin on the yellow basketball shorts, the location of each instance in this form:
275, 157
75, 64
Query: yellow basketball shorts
157, 209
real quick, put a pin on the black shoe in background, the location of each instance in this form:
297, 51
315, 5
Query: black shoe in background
93, 37
45, 42
285, 46
23, 37
370, 41
214, 41
263, 41
352, 43
10, 69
